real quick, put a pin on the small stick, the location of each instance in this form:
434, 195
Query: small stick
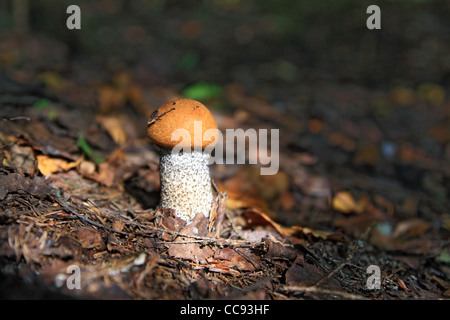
347, 260
15, 118
155, 116
312, 289
59, 198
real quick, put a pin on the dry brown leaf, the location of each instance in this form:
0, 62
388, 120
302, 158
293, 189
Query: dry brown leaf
14, 182
254, 216
118, 225
48, 165
135, 94
248, 189
315, 125
52, 80
286, 201
89, 238
233, 259
410, 228
323, 234
367, 154
408, 236
113, 125
87, 168
18, 156
341, 140
110, 98
344, 202
402, 96
215, 265
105, 175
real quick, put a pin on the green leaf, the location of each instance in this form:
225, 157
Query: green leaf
444, 257
203, 91
88, 151
42, 104
52, 114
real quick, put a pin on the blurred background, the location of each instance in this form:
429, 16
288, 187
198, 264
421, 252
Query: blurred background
280, 49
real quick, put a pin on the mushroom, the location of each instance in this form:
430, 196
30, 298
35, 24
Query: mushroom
184, 174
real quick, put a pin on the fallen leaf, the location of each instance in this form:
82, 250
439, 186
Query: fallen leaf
113, 125
286, 201
105, 174
408, 236
323, 234
254, 216
341, 140
14, 182
315, 125
19, 157
233, 259
52, 79
410, 228
402, 96
118, 225
367, 154
184, 248
344, 202
89, 238
135, 94
48, 165
248, 189
356, 225
315, 186
87, 168
383, 202
431, 93
110, 98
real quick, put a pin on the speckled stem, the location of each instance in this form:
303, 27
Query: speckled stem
185, 183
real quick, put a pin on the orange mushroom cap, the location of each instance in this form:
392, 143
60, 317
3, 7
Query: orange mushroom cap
182, 114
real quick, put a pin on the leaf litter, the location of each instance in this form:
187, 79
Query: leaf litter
61, 209
358, 185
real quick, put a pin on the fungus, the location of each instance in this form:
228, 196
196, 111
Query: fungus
183, 129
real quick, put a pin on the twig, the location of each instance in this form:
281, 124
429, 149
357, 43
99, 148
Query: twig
206, 240
347, 260
143, 232
314, 289
252, 261
155, 116
15, 118
59, 198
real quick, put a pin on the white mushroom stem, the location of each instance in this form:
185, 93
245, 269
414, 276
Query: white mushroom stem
185, 183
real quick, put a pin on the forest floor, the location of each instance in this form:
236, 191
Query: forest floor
359, 208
